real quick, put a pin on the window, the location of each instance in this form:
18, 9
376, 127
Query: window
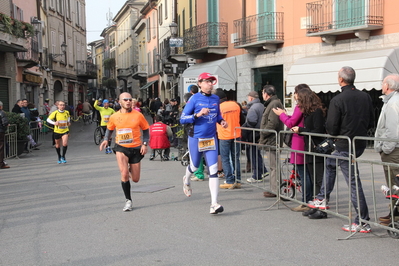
68, 8
53, 42
17, 13
154, 26
78, 50
148, 29
61, 37
190, 15
77, 13
52, 4
60, 6
70, 50
166, 9
160, 14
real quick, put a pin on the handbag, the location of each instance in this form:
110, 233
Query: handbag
327, 146
287, 139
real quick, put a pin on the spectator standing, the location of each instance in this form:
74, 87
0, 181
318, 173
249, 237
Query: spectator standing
202, 110
350, 114
253, 120
3, 128
229, 149
388, 127
46, 107
79, 108
17, 107
271, 121
298, 143
129, 148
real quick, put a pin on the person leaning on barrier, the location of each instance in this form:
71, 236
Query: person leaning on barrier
270, 121
159, 138
350, 114
388, 127
3, 128
314, 119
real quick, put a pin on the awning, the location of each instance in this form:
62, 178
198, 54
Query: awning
225, 70
148, 85
321, 72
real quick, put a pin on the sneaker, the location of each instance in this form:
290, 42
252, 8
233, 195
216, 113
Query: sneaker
320, 204
165, 158
357, 228
194, 178
300, 208
151, 157
317, 215
63, 160
265, 174
216, 208
60, 160
186, 188
253, 180
221, 174
128, 206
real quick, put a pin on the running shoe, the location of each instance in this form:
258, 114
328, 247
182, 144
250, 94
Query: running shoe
59, 161
151, 157
320, 204
194, 178
216, 208
128, 206
365, 228
63, 160
186, 188
265, 174
253, 180
221, 174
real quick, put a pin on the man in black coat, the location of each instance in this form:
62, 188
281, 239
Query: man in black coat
350, 114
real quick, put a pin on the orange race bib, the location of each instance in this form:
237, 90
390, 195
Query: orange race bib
106, 118
207, 144
124, 135
62, 124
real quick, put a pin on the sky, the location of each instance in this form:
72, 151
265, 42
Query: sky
96, 16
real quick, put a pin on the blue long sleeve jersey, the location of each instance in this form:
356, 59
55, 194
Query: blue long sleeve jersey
204, 126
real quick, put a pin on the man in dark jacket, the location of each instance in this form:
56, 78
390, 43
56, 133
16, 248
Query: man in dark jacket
3, 128
350, 114
270, 121
17, 107
254, 117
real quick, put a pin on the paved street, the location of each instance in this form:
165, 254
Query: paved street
71, 214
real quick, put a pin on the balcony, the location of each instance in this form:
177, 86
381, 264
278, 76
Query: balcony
140, 72
124, 73
261, 30
209, 38
86, 69
172, 53
29, 58
336, 17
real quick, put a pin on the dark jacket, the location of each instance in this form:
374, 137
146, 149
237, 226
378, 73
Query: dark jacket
3, 121
313, 123
350, 114
254, 118
16, 109
270, 121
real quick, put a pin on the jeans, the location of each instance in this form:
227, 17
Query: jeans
230, 153
306, 181
257, 162
329, 183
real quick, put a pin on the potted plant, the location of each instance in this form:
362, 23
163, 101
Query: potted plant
22, 129
18, 30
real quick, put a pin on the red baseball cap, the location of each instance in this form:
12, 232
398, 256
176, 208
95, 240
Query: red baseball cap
207, 76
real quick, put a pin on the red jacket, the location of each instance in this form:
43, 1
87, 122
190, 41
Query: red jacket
158, 136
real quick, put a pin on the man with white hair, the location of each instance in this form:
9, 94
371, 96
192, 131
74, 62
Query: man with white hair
388, 127
3, 128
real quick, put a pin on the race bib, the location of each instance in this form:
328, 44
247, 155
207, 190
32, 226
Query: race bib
106, 118
124, 135
62, 124
206, 144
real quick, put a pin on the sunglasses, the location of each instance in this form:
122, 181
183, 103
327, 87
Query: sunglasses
127, 99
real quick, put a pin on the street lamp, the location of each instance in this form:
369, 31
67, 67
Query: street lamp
37, 25
63, 50
173, 29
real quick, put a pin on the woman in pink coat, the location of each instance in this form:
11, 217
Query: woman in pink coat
298, 143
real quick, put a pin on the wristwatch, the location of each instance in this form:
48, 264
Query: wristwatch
145, 143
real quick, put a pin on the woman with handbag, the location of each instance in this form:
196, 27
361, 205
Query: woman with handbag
298, 143
314, 119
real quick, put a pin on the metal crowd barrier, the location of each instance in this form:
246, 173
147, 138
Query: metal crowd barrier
370, 174
11, 142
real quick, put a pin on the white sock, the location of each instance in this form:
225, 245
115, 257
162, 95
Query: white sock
214, 189
187, 177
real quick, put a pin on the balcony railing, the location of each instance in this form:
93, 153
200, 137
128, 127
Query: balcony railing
86, 69
32, 55
207, 35
259, 29
139, 71
343, 15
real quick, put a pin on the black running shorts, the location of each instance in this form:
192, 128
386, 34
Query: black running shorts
133, 154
